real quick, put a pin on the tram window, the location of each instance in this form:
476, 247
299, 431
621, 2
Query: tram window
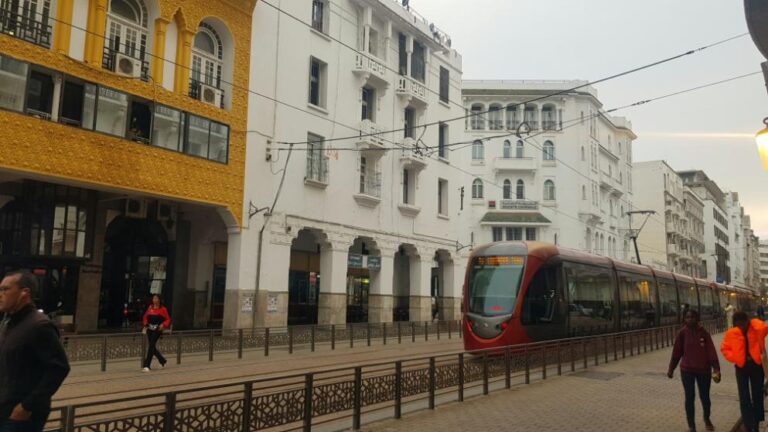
669, 305
688, 298
541, 298
705, 299
590, 299
494, 283
636, 293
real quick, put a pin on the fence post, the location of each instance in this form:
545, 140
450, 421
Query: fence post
399, 333
527, 366
239, 343
368, 333
333, 337
210, 346
170, 411
584, 353
605, 348
623, 346
449, 328
357, 400
290, 340
312, 338
438, 330
384, 332
247, 406
615, 350
485, 373
559, 359
426, 330
631, 346
461, 377
507, 369
543, 362
308, 384
398, 389
573, 356
431, 383
178, 348
143, 350
413, 331
266, 341
351, 330
70, 425
104, 354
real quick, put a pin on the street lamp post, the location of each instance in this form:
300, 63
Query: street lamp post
756, 13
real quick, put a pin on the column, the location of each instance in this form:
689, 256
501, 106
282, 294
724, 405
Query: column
409, 53
539, 118
332, 301
453, 278
158, 61
420, 281
183, 61
95, 39
89, 284
63, 26
380, 297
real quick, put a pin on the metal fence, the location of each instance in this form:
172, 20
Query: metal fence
121, 347
334, 396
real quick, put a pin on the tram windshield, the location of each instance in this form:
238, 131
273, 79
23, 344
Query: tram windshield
494, 284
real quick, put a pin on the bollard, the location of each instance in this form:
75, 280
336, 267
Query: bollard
584, 353
426, 331
351, 330
605, 348
438, 330
449, 329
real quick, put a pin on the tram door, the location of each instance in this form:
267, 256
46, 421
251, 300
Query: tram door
544, 305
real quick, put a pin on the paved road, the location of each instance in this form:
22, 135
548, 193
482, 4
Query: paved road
629, 395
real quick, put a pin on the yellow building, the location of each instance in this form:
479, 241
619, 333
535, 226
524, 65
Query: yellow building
122, 153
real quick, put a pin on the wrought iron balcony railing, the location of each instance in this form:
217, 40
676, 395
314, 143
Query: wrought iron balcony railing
33, 29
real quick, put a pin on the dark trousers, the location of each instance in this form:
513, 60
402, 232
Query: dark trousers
690, 380
749, 380
33, 425
152, 337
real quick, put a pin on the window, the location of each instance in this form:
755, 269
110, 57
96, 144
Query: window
543, 302
22, 19
445, 84
316, 82
418, 62
77, 101
442, 197
318, 15
368, 101
477, 118
403, 54
512, 121
495, 121
317, 163
590, 299
13, 83
549, 190
40, 95
112, 112
507, 189
141, 120
519, 152
530, 234
549, 151
520, 190
409, 116
207, 60
496, 232
168, 128
478, 151
514, 233
409, 187
507, 149
477, 189
127, 33
207, 138
443, 141
637, 307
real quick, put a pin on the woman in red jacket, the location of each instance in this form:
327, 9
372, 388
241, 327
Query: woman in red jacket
156, 319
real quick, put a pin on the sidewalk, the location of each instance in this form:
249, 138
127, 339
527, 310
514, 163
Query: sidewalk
630, 395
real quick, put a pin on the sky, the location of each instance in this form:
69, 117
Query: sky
711, 129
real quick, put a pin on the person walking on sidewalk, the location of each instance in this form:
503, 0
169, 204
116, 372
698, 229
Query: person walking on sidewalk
699, 366
156, 319
33, 363
743, 346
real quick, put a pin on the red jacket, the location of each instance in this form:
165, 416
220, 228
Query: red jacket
697, 350
157, 317
733, 344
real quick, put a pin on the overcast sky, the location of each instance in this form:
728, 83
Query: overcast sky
710, 129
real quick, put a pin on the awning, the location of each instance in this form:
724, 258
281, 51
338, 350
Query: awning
528, 218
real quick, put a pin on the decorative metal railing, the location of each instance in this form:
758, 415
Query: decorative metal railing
32, 27
108, 348
335, 396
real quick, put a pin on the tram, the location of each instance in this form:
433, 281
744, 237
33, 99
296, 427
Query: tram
521, 292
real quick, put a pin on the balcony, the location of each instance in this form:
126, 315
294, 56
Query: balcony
31, 27
410, 156
108, 61
606, 181
367, 66
411, 89
371, 137
501, 164
673, 250
369, 194
510, 204
317, 169
533, 124
215, 98
549, 125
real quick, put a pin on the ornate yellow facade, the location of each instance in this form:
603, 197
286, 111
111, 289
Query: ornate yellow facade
46, 149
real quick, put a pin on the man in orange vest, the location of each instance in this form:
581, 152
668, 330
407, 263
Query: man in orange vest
743, 346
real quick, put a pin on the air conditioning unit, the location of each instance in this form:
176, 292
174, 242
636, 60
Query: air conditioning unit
166, 211
210, 95
136, 208
127, 66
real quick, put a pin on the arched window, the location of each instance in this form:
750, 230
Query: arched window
507, 149
507, 189
549, 190
477, 189
207, 57
512, 120
495, 114
127, 32
478, 150
520, 190
549, 150
519, 149
478, 117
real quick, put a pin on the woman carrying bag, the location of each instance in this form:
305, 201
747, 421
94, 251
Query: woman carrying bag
156, 319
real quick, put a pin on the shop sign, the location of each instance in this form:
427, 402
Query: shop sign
374, 262
355, 261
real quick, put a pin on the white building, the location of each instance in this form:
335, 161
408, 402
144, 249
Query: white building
751, 255
716, 225
676, 244
737, 247
764, 263
359, 231
568, 182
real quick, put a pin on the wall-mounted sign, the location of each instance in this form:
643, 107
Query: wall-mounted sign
355, 261
374, 262
271, 303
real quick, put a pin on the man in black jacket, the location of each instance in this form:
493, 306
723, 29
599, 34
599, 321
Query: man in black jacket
32, 361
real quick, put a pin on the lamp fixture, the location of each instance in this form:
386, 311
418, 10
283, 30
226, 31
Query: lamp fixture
762, 143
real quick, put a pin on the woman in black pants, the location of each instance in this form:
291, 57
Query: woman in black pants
156, 319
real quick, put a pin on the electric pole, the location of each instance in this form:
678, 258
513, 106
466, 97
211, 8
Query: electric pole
633, 234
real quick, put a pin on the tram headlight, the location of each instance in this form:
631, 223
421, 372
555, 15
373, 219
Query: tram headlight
762, 144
